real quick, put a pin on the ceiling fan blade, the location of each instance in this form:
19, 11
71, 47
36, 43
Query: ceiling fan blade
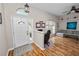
65, 12
68, 12
77, 10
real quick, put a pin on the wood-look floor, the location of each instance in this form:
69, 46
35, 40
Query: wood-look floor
62, 47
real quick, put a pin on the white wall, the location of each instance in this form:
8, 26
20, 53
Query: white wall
39, 15
35, 14
9, 11
69, 18
3, 40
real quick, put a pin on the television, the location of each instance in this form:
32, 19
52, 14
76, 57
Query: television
72, 25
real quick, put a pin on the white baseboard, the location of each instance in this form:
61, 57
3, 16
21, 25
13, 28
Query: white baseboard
39, 46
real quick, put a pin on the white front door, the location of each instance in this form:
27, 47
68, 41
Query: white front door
20, 31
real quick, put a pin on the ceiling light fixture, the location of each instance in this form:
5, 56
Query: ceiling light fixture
23, 11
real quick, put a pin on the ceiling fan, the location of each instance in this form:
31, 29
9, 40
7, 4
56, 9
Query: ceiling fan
23, 10
26, 6
73, 9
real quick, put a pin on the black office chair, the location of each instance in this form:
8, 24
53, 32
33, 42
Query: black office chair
46, 37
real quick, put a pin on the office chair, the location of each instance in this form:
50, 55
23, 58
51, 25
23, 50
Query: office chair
46, 37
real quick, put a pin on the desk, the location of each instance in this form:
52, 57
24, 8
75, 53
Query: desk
38, 37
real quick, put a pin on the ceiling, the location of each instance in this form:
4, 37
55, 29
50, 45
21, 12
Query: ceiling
54, 8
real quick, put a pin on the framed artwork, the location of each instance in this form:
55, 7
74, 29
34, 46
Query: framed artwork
40, 24
0, 18
37, 25
43, 25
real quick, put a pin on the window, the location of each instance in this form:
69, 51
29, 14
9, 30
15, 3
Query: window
50, 25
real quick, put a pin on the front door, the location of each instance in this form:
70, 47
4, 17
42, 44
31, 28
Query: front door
20, 31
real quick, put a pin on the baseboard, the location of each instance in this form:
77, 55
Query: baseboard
39, 46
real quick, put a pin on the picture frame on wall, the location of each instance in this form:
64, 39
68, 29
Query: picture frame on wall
37, 25
43, 25
0, 18
40, 24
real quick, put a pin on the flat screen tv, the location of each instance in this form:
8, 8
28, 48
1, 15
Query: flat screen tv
72, 25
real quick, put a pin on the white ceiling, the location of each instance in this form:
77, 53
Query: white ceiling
54, 8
